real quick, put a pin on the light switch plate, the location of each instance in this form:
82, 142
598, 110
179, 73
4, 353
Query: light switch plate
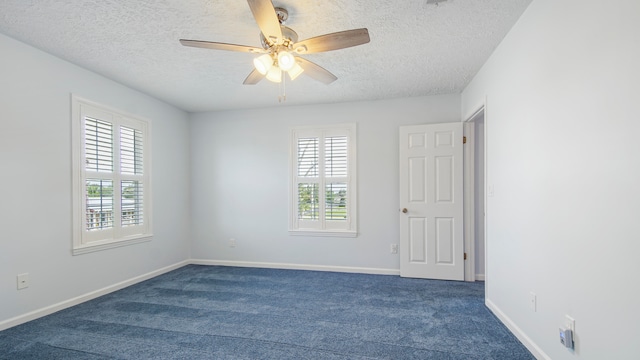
23, 281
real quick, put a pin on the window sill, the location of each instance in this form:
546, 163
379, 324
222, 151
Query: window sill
88, 248
328, 233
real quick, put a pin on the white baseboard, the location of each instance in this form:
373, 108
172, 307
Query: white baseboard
528, 343
479, 277
344, 269
21, 319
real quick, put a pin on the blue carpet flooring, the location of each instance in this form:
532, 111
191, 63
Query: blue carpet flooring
216, 312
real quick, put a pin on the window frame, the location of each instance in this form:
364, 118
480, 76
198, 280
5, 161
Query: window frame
324, 227
85, 241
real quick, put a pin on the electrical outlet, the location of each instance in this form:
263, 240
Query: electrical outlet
232, 242
394, 248
533, 301
570, 323
568, 333
23, 281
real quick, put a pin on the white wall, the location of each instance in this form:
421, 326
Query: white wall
563, 91
240, 164
35, 182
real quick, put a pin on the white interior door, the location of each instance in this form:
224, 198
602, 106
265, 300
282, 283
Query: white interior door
431, 201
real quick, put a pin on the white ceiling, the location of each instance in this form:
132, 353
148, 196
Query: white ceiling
417, 48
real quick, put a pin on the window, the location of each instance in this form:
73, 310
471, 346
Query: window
111, 178
323, 181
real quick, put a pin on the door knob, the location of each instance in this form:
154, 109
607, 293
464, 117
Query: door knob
405, 210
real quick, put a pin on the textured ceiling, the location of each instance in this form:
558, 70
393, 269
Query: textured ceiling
417, 47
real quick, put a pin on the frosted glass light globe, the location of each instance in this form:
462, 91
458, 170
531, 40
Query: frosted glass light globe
285, 60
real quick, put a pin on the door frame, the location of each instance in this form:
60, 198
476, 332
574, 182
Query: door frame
469, 200
469, 191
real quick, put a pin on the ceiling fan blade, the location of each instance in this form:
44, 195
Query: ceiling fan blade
265, 15
253, 78
221, 46
333, 41
316, 71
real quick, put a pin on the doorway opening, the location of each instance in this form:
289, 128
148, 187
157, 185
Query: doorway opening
474, 189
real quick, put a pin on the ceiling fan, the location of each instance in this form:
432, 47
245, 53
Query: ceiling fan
281, 49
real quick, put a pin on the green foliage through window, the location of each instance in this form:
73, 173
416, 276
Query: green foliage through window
96, 190
336, 201
308, 201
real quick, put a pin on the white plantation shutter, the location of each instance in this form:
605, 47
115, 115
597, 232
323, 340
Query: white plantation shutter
308, 172
131, 151
111, 180
323, 181
99, 204
131, 202
336, 201
308, 201
336, 156
336, 172
308, 157
131, 168
98, 145
98, 148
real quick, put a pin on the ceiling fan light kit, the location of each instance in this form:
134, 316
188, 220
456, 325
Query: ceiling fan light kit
263, 63
295, 71
280, 47
285, 60
267, 64
274, 74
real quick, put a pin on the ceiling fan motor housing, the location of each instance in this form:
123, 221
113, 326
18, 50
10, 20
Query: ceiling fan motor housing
289, 36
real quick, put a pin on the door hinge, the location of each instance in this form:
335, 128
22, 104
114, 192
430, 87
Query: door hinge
464, 139
465, 256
